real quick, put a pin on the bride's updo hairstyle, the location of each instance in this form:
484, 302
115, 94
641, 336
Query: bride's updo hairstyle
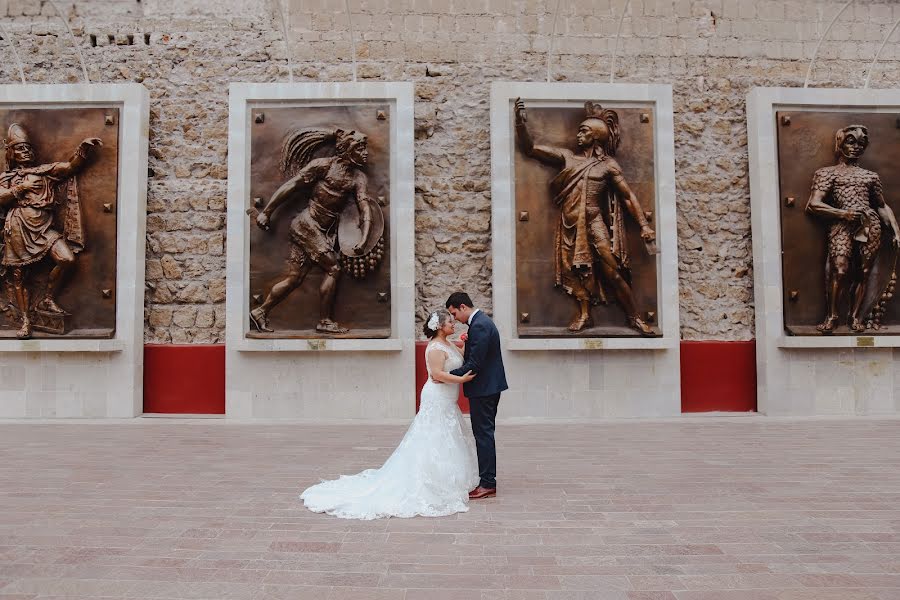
435, 321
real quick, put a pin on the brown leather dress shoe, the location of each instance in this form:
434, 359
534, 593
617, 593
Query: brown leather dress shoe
482, 492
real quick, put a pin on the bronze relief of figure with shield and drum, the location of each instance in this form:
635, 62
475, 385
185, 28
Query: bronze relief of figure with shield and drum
598, 217
337, 232
851, 236
46, 216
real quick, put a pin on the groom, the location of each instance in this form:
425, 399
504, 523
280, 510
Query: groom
482, 357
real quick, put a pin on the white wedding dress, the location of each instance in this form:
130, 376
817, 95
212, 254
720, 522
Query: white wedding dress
429, 474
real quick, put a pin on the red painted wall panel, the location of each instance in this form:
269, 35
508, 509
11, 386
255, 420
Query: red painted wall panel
715, 376
186, 379
718, 376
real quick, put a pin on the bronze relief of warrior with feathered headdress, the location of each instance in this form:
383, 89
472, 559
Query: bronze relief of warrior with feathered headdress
329, 183
593, 197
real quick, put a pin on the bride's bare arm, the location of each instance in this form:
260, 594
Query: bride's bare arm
436, 359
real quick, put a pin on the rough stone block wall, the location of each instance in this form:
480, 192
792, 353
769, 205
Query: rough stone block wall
187, 51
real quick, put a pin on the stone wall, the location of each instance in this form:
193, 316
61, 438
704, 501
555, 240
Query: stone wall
187, 51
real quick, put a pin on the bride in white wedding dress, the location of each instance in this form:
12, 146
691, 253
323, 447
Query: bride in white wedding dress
435, 466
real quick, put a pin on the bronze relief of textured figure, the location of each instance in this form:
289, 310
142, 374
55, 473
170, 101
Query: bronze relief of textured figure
43, 219
851, 198
593, 196
329, 183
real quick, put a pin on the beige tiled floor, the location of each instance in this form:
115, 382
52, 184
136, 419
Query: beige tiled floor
715, 509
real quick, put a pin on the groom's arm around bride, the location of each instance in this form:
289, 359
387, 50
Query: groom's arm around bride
475, 346
482, 353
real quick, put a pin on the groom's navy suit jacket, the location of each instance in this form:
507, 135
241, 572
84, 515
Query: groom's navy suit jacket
482, 356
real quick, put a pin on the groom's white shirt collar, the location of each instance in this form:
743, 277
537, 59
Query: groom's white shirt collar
471, 316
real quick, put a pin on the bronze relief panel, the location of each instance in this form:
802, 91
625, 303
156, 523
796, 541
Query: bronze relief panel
58, 193
585, 197
320, 227
838, 190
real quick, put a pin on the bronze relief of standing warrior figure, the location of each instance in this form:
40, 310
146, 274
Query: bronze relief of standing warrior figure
593, 197
43, 219
851, 198
329, 183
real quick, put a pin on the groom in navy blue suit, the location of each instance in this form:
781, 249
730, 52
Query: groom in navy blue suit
482, 357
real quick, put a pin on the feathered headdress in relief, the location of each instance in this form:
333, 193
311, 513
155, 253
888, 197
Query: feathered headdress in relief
604, 119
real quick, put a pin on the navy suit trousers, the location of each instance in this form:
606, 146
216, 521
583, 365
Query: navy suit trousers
483, 412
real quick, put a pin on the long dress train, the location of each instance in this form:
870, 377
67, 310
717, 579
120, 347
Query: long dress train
429, 474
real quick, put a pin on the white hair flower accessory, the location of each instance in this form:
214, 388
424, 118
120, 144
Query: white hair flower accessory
433, 322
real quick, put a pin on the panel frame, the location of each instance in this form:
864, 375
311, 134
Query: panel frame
245, 97
658, 99
121, 387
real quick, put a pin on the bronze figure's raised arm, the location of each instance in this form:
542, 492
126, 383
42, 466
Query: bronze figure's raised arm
850, 198
43, 219
329, 183
593, 197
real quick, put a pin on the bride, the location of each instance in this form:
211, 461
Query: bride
434, 467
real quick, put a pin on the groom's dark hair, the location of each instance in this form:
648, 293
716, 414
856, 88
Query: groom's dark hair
457, 299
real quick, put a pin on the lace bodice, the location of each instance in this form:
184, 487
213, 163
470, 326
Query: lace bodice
454, 358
